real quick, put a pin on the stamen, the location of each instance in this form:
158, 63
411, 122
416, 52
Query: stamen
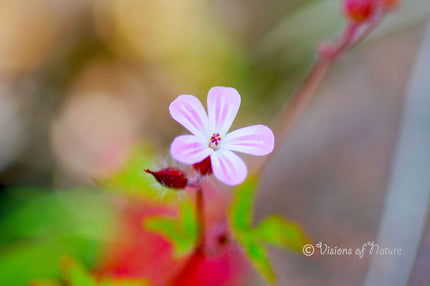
214, 141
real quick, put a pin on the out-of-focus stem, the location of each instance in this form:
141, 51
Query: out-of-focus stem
346, 40
367, 31
303, 95
296, 106
300, 100
200, 217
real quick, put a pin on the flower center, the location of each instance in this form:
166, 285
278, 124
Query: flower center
214, 141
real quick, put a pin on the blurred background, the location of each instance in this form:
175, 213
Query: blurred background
84, 92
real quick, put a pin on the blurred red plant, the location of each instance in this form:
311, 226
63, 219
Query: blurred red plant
137, 253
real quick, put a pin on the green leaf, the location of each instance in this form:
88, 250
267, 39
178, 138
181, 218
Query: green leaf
75, 274
257, 253
164, 226
181, 232
37, 232
189, 219
278, 232
32, 258
75, 213
240, 214
273, 230
44, 283
241, 208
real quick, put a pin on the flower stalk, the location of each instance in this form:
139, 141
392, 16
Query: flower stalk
353, 34
200, 216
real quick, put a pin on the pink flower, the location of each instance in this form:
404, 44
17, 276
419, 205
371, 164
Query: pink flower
210, 135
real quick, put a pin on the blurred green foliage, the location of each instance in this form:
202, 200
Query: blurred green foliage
42, 227
181, 232
241, 222
132, 180
75, 274
276, 231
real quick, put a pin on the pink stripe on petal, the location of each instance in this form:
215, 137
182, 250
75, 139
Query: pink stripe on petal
218, 110
257, 140
189, 149
228, 168
189, 112
223, 104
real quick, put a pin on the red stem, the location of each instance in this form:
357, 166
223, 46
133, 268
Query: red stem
200, 217
295, 107
193, 261
303, 95
369, 29
346, 39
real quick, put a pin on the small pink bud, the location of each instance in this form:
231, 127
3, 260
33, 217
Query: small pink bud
170, 177
204, 167
359, 10
389, 4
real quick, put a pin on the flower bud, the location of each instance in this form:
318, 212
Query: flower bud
204, 167
389, 4
359, 10
170, 177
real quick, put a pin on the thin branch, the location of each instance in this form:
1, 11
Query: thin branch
301, 98
296, 106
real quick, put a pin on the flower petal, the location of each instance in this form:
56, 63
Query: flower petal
189, 149
257, 140
189, 112
223, 104
228, 167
